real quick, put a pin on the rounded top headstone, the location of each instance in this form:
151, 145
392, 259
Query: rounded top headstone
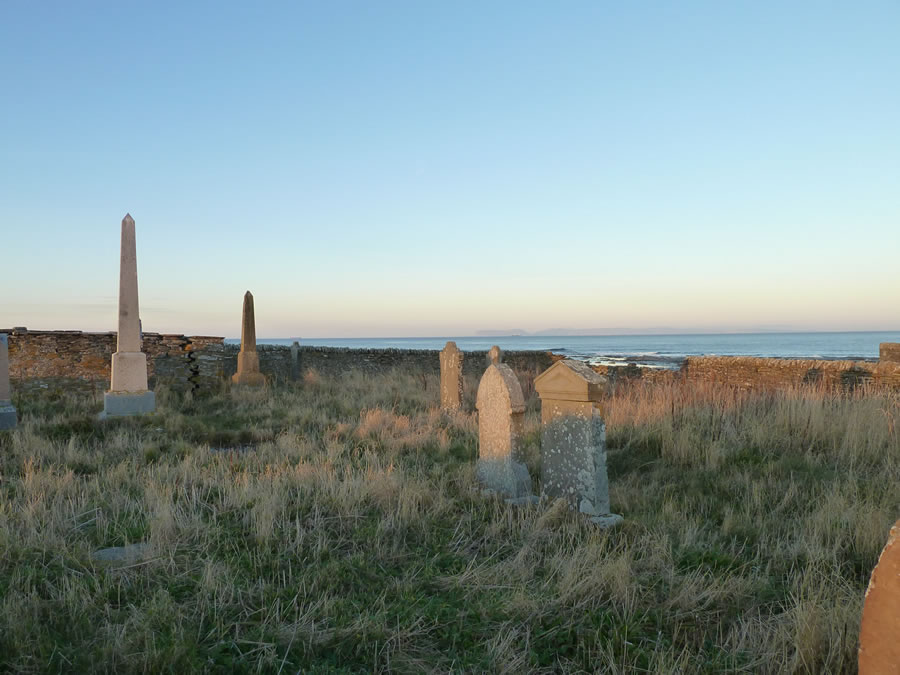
500, 384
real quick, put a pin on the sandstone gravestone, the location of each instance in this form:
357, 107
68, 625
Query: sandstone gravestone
248, 359
573, 442
295, 360
494, 355
879, 634
451, 377
7, 411
128, 392
501, 409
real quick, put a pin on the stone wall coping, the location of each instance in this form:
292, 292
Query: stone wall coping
39, 333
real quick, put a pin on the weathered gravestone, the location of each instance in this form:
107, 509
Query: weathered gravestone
128, 392
501, 409
295, 360
7, 411
879, 633
248, 359
451, 377
573, 441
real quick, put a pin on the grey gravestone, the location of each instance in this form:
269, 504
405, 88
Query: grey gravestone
8, 419
295, 360
573, 441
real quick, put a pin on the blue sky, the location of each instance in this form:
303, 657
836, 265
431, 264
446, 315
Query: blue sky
409, 168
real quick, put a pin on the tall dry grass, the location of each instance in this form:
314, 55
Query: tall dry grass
336, 524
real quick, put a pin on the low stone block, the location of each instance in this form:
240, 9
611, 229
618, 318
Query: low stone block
126, 404
8, 418
121, 554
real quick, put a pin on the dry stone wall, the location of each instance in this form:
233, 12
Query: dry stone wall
754, 373
275, 361
889, 352
73, 360
77, 361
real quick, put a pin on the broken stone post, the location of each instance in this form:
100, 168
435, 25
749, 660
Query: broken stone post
573, 442
501, 409
248, 359
451, 377
295, 360
494, 355
8, 418
128, 392
879, 633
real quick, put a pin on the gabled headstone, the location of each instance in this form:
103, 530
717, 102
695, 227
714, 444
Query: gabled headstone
451, 377
573, 441
501, 409
879, 633
248, 359
8, 417
128, 391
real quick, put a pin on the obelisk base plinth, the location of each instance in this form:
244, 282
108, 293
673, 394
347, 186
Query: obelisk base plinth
248, 374
127, 403
8, 419
129, 372
128, 394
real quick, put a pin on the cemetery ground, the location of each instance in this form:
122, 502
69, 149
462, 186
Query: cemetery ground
335, 525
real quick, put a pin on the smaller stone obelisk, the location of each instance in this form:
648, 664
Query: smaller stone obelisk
7, 411
128, 392
248, 359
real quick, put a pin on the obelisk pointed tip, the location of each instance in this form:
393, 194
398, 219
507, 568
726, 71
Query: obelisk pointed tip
248, 294
128, 220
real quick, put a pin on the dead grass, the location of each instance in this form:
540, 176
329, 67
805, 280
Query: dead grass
335, 525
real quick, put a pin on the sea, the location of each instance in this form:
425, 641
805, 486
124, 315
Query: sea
654, 351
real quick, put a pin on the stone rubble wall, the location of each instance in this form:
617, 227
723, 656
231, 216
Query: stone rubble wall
754, 373
889, 352
275, 361
77, 361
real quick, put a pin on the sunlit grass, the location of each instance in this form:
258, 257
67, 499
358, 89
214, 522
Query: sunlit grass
336, 524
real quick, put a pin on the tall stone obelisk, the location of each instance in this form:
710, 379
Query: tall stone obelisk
128, 393
248, 359
7, 411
